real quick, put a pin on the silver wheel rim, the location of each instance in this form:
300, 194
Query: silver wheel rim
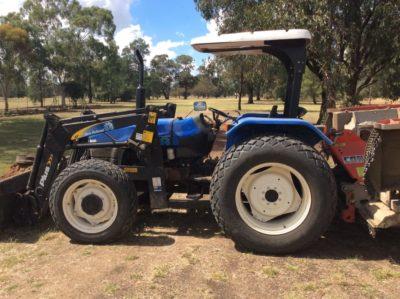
273, 198
74, 207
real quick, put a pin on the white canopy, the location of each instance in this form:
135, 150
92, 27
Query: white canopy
244, 41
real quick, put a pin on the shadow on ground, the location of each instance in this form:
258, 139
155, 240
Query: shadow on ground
342, 241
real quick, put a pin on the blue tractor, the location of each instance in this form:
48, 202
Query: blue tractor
270, 191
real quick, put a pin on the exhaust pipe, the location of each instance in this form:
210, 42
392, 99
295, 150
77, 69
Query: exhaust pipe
140, 91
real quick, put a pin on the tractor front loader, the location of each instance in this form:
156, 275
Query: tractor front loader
24, 197
60, 137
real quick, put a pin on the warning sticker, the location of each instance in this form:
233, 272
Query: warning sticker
139, 136
353, 159
152, 118
360, 171
130, 169
147, 136
157, 184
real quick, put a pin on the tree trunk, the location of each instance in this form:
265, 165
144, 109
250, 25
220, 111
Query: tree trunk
185, 93
90, 92
250, 90
240, 90
41, 89
328, 101
166, 94
5, 96
314, 99
41, 92
5, 103
63, 103
352, 97
258, 93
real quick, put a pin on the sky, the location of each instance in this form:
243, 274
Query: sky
166, 25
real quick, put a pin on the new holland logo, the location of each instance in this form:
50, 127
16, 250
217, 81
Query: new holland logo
104, 127
108, 126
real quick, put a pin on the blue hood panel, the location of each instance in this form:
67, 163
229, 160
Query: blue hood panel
170, 132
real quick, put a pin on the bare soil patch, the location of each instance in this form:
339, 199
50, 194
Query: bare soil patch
179, 253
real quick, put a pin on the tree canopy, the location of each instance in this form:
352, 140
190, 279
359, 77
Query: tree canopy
50, 45
353, 41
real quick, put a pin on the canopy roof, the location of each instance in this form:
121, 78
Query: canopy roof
249, 42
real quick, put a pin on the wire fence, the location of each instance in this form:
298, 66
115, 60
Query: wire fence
23, 106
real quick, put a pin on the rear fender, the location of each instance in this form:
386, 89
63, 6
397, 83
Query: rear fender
297, 128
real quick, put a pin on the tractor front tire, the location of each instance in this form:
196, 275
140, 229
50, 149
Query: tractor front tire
92, 201
273, 194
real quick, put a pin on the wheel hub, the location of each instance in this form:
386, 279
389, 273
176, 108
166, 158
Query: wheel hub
271, 195
92, 204
273, 198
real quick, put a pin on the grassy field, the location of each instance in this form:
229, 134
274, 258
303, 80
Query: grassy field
20, 134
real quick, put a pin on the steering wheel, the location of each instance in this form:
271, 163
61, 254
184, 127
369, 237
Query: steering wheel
274, 111
217, 113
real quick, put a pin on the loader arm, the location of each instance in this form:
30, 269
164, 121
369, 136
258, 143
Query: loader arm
60, 135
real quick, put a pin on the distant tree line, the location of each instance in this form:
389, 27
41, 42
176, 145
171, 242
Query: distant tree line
59, 48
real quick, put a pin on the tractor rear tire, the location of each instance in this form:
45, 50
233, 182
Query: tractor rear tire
258, 179
92, 201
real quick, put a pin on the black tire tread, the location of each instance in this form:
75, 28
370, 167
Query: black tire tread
257, 142
103, 167
374, 144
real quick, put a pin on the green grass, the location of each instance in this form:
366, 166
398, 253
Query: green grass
385, 274
219, 276
111, 289
270, 272
20, 134
162, 271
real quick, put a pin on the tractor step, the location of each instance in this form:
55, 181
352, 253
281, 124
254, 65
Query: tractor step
179, 201
378, 215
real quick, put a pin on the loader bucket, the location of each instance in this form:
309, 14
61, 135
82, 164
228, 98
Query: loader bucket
10, 188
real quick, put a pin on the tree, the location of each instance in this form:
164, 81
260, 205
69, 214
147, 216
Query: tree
13, 46
352, 40
70, 35
204, 87
112, 78
43, 20
165, 70
184, 76
153, 85
311, 86
236, 67
389, 84
216, 70
130, 66
74, 90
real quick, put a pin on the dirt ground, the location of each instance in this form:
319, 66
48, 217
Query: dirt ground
179, 254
